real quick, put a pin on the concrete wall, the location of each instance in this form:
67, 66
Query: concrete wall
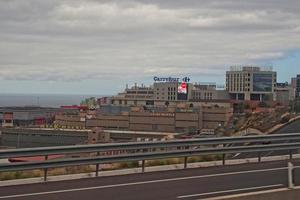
25, 138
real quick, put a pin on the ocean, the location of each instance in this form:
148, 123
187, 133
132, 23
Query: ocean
43, 100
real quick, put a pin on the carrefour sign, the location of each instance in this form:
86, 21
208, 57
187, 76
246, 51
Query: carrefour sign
171, 79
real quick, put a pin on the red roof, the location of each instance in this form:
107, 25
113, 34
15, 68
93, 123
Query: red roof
75, 107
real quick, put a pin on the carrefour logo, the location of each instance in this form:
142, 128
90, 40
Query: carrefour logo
186, 79
171, 79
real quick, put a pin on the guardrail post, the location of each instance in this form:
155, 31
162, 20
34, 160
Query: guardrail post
259, 156
97, 170
143, 166
45, 170
223, 158
290, 175
291, 154
97, 166
185, 162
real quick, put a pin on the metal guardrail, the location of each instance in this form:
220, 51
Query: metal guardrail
146, 156
203, 150
45, 151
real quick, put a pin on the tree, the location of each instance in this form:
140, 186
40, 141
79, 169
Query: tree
167, 103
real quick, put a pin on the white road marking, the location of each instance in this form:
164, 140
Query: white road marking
139, 183
228, 191
236, 155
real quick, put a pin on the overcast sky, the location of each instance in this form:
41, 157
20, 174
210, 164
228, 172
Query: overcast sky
96, 47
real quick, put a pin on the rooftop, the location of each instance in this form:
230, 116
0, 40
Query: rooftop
251, 68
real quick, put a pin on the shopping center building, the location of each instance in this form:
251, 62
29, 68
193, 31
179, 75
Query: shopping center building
180, 119
169, 92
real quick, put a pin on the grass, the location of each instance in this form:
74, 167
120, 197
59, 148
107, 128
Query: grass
20, 175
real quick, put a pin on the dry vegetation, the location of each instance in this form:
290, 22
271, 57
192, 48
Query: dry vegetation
91, 168
262, 121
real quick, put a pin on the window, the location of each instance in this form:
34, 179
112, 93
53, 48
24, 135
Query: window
142, 92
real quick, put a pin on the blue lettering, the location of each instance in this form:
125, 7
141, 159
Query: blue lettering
170, 79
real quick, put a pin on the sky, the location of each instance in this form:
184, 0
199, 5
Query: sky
97, 46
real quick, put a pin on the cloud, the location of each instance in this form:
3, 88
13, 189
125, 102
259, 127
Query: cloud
78, 40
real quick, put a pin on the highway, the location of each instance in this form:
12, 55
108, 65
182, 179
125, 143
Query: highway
294, 127
189, 184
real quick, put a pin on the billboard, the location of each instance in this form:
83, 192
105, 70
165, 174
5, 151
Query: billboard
262, 82
182, 91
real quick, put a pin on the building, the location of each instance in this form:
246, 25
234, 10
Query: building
298, 86
159, 92
7, 119
185, 118
29, 137
27, 116
166, 93
284, 93
294, 82
251, 83
172, 91
99, 135
206, 92
134, 96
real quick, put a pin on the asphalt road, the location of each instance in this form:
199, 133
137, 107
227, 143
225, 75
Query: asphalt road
185, 184
294, 127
